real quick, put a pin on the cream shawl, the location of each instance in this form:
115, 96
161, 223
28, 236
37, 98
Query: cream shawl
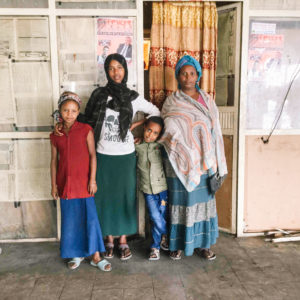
193, 138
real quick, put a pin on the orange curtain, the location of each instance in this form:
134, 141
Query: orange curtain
179, 29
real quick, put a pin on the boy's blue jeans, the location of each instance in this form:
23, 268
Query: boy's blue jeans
158, 209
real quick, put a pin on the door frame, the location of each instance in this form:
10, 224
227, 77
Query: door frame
228, 110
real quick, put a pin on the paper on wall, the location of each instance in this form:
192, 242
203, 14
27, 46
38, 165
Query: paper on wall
6, 98
33, 93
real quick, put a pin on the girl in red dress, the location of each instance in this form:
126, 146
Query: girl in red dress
73, 179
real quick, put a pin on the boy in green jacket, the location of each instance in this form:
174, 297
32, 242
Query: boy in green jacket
153, 183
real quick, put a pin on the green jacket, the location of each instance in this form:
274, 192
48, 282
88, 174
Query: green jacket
152, 179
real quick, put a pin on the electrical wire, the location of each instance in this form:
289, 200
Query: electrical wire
266, 141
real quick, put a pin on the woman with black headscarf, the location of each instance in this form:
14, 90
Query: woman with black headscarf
110, 111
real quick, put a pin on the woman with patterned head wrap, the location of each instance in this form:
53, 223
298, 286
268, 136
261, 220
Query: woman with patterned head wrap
194, 146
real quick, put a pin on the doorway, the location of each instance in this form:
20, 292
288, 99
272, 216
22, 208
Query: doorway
227, 99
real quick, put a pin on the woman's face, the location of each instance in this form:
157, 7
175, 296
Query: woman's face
187, 77
116, 71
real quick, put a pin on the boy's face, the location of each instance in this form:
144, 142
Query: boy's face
151, 132
69, 111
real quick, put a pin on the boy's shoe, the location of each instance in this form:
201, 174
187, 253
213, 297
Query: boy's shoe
154, 254
164, 243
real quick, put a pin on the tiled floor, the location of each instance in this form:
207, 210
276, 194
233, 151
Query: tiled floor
247, 268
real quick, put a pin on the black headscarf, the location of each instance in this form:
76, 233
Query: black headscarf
121, 97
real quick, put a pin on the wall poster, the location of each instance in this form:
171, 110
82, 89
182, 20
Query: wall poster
116, 35
265, 51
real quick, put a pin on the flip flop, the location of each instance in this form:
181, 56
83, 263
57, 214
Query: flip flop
76, 261
176, 256
109, 253
125, 252
207, 254
101, 265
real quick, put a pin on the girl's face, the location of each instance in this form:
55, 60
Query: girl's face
151, 132
116, 71
187, 77
69, 111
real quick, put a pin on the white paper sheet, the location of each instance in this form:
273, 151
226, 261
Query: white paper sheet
33, 170
33, 93
32, 38
6, 99
6, 38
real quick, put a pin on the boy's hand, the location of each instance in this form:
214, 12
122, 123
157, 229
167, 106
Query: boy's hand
58, 128
54, 193
92, 188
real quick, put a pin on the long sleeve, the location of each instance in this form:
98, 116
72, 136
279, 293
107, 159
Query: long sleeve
142, 105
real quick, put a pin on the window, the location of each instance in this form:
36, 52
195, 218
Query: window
273, 60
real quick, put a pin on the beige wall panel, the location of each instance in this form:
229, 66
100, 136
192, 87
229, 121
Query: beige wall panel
39, 219
224, 195
272, 198
11, 224
274, 4
32, 219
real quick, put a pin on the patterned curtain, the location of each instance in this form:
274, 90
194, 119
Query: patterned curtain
179, 29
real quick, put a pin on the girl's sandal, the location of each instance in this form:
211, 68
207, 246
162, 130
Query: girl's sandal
102, 265
154, 254
207, 254
175, 255
75, 262
109, 250
125, 252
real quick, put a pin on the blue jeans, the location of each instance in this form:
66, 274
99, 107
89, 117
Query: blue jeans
157, 207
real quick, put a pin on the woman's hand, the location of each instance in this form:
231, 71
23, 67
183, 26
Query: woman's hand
58, 128
136, 124
54, 192
92, 188
137, 140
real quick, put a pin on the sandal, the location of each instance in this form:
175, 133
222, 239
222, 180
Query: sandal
102, 264
207, 254
125, 252
164, 243
154, 254
75, 262
175, 255
109, 250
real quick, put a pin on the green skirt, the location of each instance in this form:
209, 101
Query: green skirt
116, 196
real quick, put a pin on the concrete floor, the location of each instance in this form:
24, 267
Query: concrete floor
247, 268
